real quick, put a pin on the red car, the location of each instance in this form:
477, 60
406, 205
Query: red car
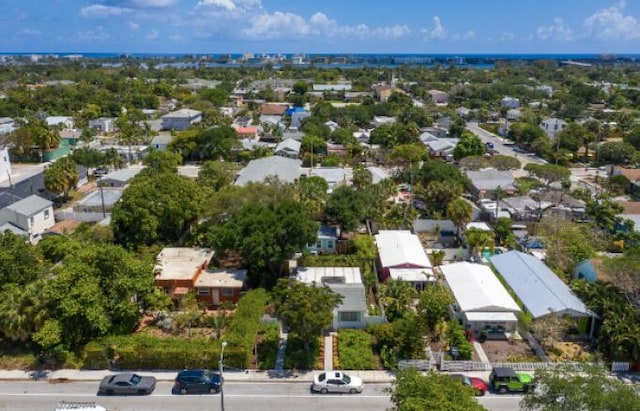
478, 384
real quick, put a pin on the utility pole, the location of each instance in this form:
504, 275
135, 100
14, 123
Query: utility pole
221, 370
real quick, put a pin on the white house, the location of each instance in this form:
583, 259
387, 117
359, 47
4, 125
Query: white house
5, 164
63, 121
181, 119
510, 102
482, 302
7, 125
346, 281
289, 148
161, 142
551, 126
33, 215
119, 178
103, 124
402, 257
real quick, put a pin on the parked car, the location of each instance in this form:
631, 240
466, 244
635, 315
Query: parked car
478, 384
197, 382
336, 381
506, 380
127, 383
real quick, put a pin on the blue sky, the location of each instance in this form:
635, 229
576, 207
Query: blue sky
320, 26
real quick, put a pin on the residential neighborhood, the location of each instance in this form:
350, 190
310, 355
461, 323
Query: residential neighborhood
397, 219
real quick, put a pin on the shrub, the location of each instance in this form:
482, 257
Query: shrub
268, 346
297, 358
354, 350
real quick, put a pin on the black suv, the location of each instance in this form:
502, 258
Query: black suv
197, 382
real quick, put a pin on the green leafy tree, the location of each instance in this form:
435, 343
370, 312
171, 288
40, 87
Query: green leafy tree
548, 173
347, 207
478, 239
438, 195
361, 177
156, 208
561, 388
162, 162
217, 174
264, 235
503, 228
468, 145
617, 152
473, 163
23, 309
500, 162
413, 391
397, 297
61, 176
20, 261
434, 304
312, 191
460, 212
408, 153
306, 310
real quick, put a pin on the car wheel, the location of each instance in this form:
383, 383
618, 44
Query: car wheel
503, 390
479, 393
324, 391
142, 392
526, 388
109, 392
213, 390
353, 391
183, 391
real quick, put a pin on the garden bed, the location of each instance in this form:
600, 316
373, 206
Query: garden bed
507, 351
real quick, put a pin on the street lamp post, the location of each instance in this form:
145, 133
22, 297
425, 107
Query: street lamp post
221, 370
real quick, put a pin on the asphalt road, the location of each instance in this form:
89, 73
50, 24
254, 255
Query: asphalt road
43, 396
500, 148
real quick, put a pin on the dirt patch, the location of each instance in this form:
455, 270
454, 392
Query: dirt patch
507, 351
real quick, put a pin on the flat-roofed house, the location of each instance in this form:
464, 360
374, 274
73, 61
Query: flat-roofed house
347, 282
181, 119
217, 286
285, 169
177, 269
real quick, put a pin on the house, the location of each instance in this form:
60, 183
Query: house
377, 174
337, 149
60, 121
547, 90
463, 112
438, 97
298, 116
485, 182
178, 268
346, 281
119, 178
181, 119
33, 215
382, 120
510, 102
334, 176
401, 257
442, 147
551, 126
289, 148
5, 163
482, 302
326, 241
383, 92
444, 230
273, 109
333, 126
342, 86
285, 169
98, 202
63, 227
161, 142
247, 132
514, 114
7, 125
218, 286
103, 124
538, 288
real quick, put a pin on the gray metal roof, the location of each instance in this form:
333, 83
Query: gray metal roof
289, 145
539, 289
162, 139
15, 230
30, 206
286, 169
123, 175
491, 179
353, 296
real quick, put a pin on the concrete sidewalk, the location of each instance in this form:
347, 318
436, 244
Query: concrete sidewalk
170, 375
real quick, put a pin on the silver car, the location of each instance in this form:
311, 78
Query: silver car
336, 381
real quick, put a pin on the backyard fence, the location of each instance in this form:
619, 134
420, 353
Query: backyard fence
457, 366
618, 366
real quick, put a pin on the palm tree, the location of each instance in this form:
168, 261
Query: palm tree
460, 212
478, 239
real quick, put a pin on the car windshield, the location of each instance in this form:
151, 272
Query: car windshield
135, 379
346, 379
466, 380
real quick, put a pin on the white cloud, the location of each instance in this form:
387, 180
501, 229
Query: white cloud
323, 26
151, 3
469, 35
436, 32
557, 31
225, 4
612, 24
98, 34
507, 36
100, 11
133, 25
31, 32
152, 35
276, 25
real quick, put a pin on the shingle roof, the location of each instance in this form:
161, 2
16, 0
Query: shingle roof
539, 289
30, 205
286, 169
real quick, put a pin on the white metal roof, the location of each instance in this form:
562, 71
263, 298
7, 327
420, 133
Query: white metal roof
539, 289
320, 275
400, 247
491, 316
476, 288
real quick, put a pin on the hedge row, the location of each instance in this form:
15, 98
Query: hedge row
139, 351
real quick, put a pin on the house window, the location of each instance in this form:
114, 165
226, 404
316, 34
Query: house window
203, 291
330, 244
227, 292
349, 316
319, 245
46, 214
31, 220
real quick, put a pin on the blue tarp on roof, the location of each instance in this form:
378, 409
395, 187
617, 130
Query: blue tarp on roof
292, 110
539, 289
